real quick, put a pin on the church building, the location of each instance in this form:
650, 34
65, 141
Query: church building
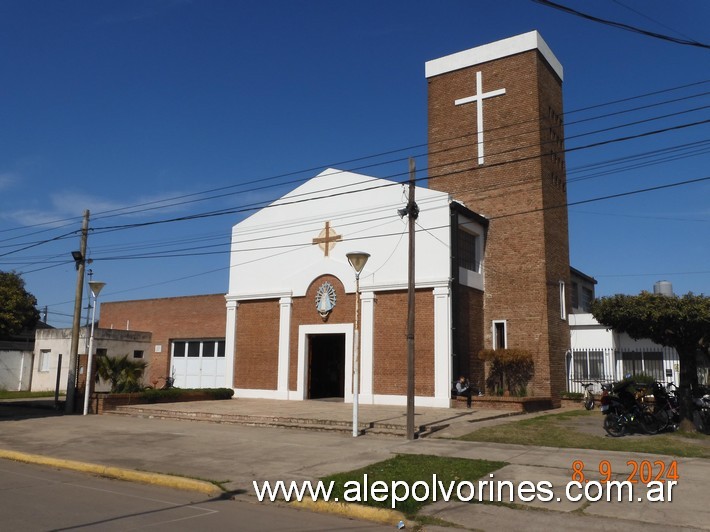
492, 252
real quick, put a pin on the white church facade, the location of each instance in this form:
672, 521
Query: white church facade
290, 258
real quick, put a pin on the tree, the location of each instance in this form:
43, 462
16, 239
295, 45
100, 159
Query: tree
123, 374
18, 308
681, 322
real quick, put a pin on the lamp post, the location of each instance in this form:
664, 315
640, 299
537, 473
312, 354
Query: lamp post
95, 287
357, 260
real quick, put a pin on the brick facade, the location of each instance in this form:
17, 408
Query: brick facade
520, 188
390, 348
257, 345
257, 338
189, 317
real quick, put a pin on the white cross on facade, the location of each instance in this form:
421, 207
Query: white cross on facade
478, 98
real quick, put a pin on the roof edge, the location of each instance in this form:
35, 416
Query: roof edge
524, 42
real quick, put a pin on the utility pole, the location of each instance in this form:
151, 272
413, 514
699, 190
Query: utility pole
413, 214
80, 259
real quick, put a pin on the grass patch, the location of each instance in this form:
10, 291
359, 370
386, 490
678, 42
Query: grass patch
408, 468
4, 394
566, 430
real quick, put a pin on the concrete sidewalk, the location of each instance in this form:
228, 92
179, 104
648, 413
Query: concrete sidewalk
237, 455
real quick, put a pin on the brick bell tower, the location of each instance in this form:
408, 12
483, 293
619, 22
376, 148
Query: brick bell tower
496, 143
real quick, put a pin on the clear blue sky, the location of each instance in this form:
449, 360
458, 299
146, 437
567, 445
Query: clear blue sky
110, 104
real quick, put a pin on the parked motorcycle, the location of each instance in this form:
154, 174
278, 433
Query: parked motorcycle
666, 405
701, 412
622, 411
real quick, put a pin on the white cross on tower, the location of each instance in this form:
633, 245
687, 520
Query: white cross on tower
478, 98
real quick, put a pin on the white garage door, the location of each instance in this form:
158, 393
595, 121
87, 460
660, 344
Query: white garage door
198, 363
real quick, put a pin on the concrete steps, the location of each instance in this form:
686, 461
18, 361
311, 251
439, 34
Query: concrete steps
303, 423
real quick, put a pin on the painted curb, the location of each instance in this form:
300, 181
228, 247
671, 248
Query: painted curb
144, 477
355, 511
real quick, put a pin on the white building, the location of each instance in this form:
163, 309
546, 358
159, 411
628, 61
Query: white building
51, 345
603, 355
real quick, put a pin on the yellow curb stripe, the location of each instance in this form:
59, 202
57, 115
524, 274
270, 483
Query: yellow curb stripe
144, 477
354, 511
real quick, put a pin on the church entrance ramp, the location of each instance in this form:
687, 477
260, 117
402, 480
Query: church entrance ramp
326, 366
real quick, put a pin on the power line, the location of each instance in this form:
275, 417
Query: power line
261, 205
650, 18
293, 247
332, 194
602, 198
298, 245
621, 25
471, 135
166, 202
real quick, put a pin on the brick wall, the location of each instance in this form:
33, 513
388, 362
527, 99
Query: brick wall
256, 363
390, 347
167, 319
527, 250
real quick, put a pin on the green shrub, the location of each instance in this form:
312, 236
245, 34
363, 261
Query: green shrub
510, 369
154, 396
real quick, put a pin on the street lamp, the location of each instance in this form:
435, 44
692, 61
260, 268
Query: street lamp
95, 287
357, 260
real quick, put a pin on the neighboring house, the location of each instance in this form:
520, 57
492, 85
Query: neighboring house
603, 355
16, 358
581, 291
53, 345
15, 367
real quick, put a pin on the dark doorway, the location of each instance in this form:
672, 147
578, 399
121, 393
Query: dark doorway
326, 366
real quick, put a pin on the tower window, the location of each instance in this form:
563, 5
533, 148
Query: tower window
467, 252
500, 335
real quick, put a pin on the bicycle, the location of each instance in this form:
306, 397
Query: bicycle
588, 397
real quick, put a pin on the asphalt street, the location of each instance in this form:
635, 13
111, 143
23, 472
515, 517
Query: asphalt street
238, 455
36, 498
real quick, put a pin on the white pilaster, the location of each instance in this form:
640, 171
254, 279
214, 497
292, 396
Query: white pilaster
442, 344
286, 304
367, 335
230, 337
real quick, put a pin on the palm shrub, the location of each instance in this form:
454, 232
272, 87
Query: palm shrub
124, 375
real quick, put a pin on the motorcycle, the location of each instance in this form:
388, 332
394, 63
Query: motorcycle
701, 413
666, 405
622, 411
